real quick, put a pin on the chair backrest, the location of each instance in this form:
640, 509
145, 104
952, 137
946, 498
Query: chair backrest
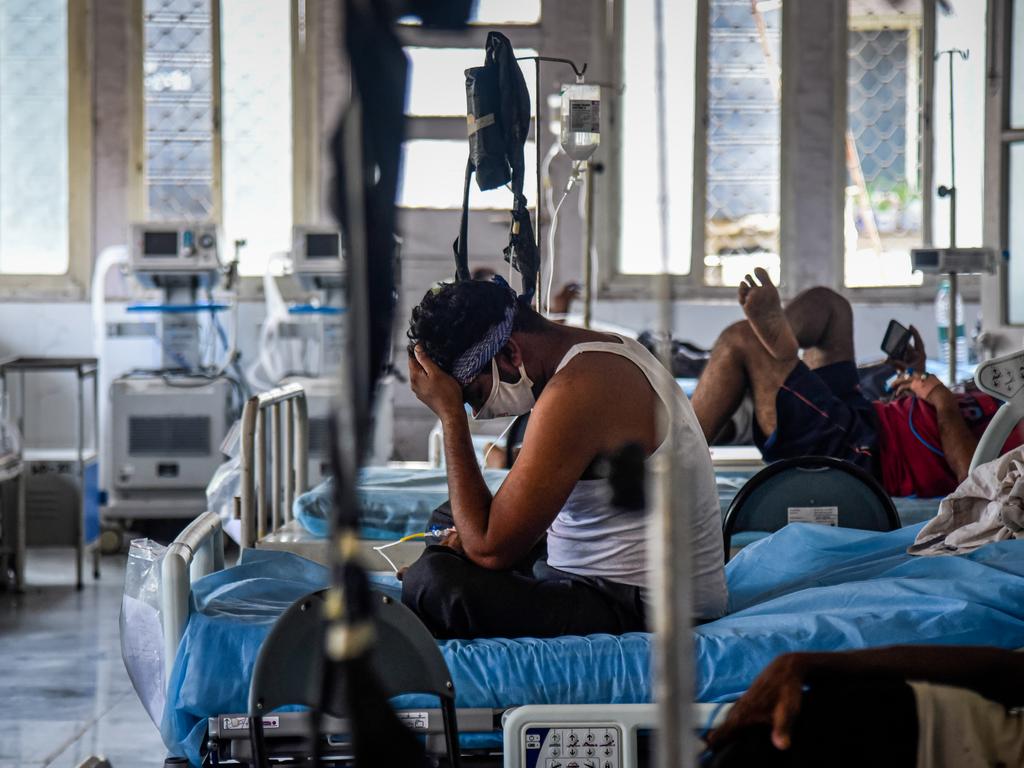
811, 489
405, 657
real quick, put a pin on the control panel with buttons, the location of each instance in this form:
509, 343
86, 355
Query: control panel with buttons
590, 745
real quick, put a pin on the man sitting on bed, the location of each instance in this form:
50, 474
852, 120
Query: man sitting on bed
591, 394
918, 443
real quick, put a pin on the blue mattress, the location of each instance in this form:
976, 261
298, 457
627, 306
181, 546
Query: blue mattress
396, 502
804, 588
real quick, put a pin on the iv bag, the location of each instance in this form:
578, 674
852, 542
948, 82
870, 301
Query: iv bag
581, 120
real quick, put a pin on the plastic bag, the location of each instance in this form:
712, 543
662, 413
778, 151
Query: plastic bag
142, 637
226, 483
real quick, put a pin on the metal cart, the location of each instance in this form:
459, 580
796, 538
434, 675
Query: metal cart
78, 462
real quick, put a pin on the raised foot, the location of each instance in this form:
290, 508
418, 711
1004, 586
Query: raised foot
761, 304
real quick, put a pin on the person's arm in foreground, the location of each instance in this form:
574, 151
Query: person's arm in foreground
775, 697
497, 532
958, 442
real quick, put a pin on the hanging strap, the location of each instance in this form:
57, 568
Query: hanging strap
461, 244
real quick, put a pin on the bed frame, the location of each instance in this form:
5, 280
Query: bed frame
526, 730
274, 464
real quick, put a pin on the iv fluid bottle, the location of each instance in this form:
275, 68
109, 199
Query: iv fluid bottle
942, 320
581, 120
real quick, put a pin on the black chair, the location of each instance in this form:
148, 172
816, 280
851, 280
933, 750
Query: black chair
405, 659
764, 502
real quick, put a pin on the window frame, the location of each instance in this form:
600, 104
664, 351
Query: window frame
614, 284
307, 194
453, 128
1000, 135
74, 282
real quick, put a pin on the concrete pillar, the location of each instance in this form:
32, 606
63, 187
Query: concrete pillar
813, 165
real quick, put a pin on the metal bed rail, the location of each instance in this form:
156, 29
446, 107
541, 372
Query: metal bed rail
274, 423
196, 552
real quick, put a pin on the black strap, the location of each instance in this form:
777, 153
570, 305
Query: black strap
461, 244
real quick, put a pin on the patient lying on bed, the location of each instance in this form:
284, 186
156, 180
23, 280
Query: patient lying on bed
918, 443
591, 394
908, 706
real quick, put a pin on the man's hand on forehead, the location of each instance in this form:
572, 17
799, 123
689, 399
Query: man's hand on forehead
434, 388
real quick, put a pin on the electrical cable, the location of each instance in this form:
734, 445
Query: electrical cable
497, 440
914, 432
438, 533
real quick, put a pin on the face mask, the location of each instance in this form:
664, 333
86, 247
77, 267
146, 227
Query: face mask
507, 399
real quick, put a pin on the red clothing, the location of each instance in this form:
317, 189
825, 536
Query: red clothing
908, 466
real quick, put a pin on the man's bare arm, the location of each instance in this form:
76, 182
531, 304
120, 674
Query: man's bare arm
563, 439
958, 442
775, 697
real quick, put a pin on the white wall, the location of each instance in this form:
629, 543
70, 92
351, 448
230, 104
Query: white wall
573, 28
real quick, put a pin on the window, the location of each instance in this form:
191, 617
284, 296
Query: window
501, 12
640, 236
433, 176
34, 137
739, 207
884, 211
434, 158
1014, 171
238, 171
741, 196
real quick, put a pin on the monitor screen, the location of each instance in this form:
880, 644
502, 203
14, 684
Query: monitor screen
160, 244
322, 246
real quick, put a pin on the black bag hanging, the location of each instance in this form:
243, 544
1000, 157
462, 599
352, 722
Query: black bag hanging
498, 123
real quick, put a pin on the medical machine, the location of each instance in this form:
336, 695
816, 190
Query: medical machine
963, 261
166, 423
301, 341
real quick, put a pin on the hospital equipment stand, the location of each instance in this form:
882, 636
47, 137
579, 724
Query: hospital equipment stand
83, 368
950, 192
12, 553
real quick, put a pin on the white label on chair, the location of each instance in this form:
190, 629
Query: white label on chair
418, 721
816, 515
241, 723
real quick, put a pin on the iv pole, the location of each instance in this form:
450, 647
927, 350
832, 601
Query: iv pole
579, 71
951, 193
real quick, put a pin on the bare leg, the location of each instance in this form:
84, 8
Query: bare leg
761, 305
821, 322
739, 362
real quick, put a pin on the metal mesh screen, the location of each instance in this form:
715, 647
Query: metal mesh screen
884, 205
743, 137
33, 136
178, 94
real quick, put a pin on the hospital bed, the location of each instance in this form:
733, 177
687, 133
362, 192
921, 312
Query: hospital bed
805, 587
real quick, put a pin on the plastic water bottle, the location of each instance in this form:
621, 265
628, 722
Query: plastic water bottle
581, 120
942, 320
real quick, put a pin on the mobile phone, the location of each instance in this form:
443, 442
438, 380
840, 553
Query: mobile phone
895, 340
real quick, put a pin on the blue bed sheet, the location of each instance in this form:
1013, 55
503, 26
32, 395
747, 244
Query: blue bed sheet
804, 588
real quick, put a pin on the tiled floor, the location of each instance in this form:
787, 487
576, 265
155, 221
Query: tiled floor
64, 692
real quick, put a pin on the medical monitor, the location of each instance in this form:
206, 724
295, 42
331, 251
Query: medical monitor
963, 261
317, 256
173, 249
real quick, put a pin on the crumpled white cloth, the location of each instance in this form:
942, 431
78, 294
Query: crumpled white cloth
988, 506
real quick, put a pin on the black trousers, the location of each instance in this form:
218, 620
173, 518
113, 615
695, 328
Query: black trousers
456, 598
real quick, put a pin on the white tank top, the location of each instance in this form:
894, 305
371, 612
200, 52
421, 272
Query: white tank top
590, 537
